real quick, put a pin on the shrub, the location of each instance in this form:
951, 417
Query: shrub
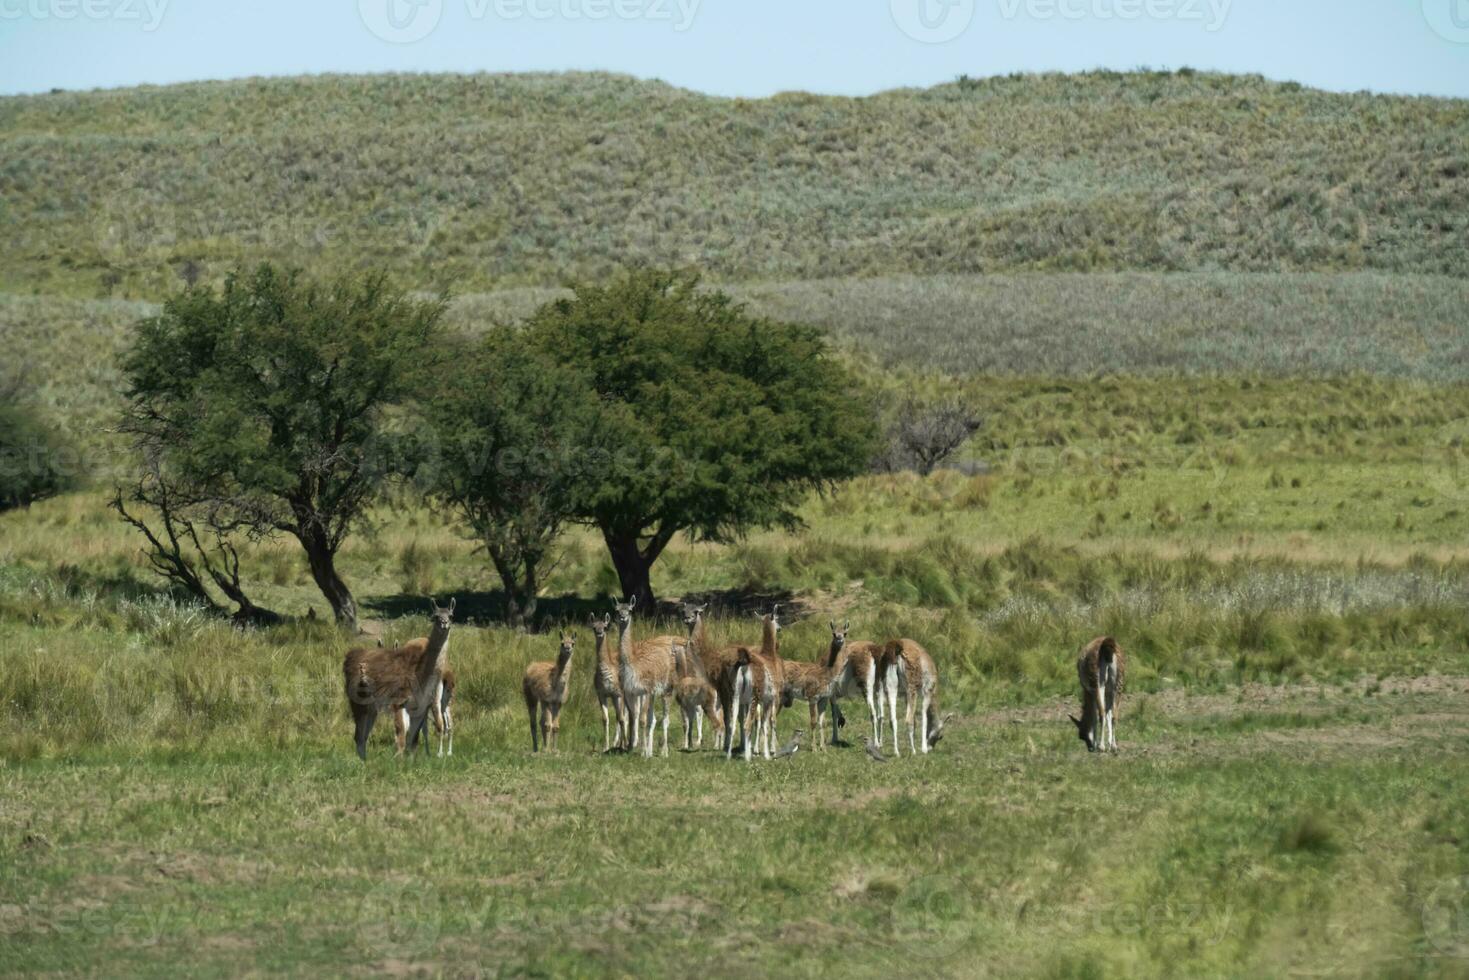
36, 461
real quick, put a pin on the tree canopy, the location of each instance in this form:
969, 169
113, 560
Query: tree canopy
716, 421
272, 400
514, 428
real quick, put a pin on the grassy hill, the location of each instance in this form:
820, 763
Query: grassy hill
490, 181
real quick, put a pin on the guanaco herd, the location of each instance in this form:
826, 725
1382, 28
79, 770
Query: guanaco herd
740, 689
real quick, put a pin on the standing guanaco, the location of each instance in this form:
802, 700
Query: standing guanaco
608, 688
545, 686
402, 680
816, 683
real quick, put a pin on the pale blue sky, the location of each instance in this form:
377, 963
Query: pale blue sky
737, 47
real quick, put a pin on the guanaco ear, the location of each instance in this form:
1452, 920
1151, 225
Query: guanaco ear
452, 603
433, 606
846, 626
833, 624
633, 602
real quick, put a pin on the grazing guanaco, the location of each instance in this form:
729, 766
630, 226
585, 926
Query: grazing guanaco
608, 688
545, 686
647, 673
441, 712
816, 683
907, 668
406, 679
1101, 668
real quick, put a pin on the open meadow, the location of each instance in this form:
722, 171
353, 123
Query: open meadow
1295, 733
1224, 396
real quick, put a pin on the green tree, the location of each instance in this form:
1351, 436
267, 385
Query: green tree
514, 427
717, 422
270, 402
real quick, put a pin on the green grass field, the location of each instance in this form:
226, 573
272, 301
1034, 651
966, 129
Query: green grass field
1287, 800
1224, 374
1269, 831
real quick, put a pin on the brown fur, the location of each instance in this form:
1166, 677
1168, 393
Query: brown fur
440, 712
765, 672
863, 682
647, 672
544, 686
817, 683
1092, 666
405, 678
696, 696
907, 668
608, 688
724, 667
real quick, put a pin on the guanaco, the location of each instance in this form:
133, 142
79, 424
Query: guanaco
816, 683
1101, 668
545, 685
607, 687
907, 668
647, 673
441, 711
403, 679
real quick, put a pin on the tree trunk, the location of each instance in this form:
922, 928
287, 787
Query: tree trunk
323, 562
520, 599
634, 564
528, 598
520, 578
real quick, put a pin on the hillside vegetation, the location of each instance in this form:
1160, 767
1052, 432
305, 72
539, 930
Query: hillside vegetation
490, 180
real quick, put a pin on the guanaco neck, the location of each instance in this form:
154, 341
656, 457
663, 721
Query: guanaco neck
624, 642
604, 651
834, 651
563, 662
769, 645
697, 639
433, 655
